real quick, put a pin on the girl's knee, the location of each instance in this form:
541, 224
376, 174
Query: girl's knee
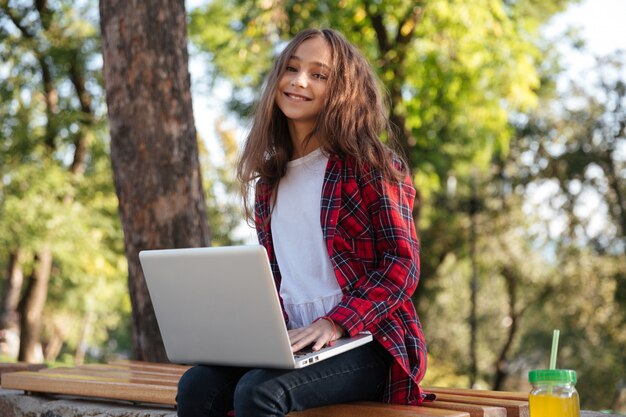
250, 386
189, 381
192, 396
255, 395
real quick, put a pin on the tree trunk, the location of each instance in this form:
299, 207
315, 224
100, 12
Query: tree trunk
616, 200
11, 293
9, 315
473, 317
53, 346
154, 148
81, 142
393, 57
81, 347
511, 278
32, 306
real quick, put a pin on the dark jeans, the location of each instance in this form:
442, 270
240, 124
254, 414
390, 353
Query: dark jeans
356, 375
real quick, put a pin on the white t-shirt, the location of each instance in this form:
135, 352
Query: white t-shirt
309, 288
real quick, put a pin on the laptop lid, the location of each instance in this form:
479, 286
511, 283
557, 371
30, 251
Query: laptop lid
219, 305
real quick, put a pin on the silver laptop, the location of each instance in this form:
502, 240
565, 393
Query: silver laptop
220, 306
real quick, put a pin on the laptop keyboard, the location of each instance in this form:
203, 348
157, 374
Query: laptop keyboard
304, 351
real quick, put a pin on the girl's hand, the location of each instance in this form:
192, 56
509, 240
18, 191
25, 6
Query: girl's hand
319, 333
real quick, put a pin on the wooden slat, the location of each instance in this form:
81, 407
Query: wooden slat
125, 377
513, 408
20, 366
147, 370
371, 409
519, 396
170, 368
102, 378
474, 410
89, 386
115, 373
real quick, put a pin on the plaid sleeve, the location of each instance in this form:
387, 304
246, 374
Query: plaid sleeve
395, 247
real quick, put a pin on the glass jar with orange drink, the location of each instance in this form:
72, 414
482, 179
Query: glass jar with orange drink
553, 393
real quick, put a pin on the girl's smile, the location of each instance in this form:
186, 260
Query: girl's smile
296, 97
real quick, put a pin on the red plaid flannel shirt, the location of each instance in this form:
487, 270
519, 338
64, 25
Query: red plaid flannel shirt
368, 226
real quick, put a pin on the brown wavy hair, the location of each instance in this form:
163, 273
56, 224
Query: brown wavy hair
353, 118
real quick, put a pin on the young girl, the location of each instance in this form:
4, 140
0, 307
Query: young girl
333, 208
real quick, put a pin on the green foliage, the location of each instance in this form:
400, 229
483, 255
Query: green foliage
581, 151
32, 208
572, 147
217, 29
45, 56
503, 249
592, 336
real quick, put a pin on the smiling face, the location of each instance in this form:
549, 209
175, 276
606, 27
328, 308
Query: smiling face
302, 86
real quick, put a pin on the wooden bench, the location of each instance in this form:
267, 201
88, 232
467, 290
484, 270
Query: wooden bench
152, 383
19, 366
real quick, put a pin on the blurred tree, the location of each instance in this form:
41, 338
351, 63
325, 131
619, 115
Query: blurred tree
51, 164
154, 149
580, 146
511, 277
573, 152
551, 253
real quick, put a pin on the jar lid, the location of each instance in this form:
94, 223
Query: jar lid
552, 375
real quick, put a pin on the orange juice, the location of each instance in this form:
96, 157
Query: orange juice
554, 393
550, 406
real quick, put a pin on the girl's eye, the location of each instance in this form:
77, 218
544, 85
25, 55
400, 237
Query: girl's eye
320, 76
290, 69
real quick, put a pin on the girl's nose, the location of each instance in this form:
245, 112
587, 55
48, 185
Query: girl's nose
299, 80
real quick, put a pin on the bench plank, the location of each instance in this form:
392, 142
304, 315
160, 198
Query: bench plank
121, 374
372, 409
513, 408
6, 367
473, 409
81, 385
519, 396
170, 368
